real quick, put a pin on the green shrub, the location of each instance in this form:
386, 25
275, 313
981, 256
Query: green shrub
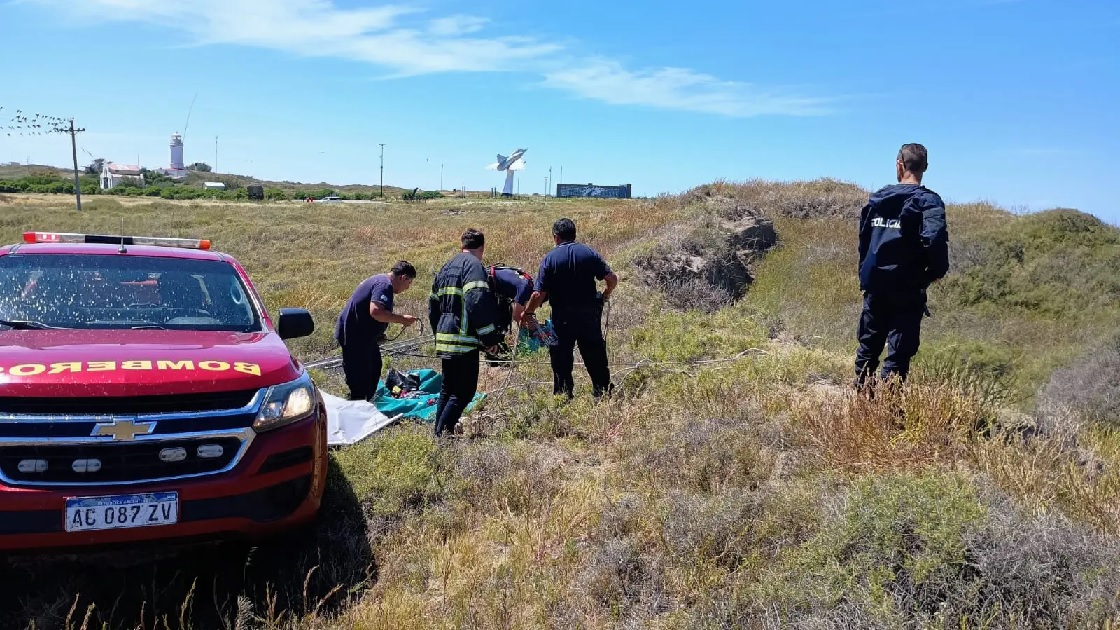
896, 549
1090, 386
1055, 263
981, 369
396, 470
939, 551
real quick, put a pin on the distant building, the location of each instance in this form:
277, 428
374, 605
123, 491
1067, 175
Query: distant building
621, 191
113, 174
213, 185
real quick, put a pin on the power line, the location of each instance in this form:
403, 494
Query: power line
41, 124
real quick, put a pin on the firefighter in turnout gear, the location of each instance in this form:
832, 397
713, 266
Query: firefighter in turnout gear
462, 311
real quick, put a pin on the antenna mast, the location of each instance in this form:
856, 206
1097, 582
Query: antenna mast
188, 123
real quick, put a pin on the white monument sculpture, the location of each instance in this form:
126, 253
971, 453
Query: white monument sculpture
509, 165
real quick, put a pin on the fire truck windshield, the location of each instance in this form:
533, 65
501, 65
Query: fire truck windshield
39, 291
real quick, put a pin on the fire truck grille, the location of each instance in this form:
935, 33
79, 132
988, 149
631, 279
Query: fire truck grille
128, 405
123, 462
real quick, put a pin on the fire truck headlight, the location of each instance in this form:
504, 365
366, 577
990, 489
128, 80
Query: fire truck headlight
285, 404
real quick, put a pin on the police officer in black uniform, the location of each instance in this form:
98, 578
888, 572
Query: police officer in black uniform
567, 278
903, 248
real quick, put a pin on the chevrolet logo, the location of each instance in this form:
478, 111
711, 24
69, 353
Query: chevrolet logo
124, 430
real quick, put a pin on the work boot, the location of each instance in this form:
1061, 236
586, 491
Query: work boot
600, 392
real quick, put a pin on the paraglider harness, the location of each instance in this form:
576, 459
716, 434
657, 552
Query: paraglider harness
504, 320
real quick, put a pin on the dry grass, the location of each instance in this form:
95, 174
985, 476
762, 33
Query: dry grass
817, 199
908, 428
749, 493
1047, 474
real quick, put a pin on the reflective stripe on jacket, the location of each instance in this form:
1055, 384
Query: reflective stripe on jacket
461, 308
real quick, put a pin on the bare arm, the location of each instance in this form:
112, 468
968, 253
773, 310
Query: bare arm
534, 303
385, 316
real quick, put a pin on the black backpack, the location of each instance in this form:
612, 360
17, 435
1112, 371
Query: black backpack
401, 384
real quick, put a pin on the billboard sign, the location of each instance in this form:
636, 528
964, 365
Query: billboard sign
621, 191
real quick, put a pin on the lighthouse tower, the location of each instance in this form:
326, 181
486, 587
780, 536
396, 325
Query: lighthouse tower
177, 170
177, 153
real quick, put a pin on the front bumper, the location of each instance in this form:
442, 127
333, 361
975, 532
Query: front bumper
278, 485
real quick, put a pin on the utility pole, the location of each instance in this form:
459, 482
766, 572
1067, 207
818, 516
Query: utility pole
215, 154
74, 148
382, 145
547, 192
441, 176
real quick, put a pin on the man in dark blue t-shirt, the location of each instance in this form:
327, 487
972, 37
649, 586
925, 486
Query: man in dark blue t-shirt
512, 287
362, 323
513, 290
567, 278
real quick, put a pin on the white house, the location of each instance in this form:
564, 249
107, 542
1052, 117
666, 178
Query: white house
113, 174
213, 185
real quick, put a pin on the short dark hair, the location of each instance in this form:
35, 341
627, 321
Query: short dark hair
473, 239
404, 269
565, 229
914, 158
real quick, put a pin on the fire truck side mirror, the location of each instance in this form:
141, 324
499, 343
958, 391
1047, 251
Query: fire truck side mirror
294, 322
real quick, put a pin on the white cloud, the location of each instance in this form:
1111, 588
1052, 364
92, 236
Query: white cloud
457, 25
400, 39
676, 88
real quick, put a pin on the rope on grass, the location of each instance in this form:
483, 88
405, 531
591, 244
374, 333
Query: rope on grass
336, 362
411, 348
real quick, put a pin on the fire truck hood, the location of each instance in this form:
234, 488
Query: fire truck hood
73, 363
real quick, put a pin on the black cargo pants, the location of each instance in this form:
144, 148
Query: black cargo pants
362, 365
460, 383
582, 327
893, 320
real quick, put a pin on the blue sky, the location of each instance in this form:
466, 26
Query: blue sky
1015, 99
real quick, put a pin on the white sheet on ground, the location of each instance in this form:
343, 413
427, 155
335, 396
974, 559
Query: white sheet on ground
350, 421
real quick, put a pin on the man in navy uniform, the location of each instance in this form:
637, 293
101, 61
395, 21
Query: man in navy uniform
362, 324
512, 287
903, 248
567, 278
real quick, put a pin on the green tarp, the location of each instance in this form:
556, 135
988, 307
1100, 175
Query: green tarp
422, 404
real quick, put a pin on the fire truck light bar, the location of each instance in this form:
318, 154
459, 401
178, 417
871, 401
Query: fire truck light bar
63, 237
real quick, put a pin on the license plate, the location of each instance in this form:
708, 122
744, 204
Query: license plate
122, 511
